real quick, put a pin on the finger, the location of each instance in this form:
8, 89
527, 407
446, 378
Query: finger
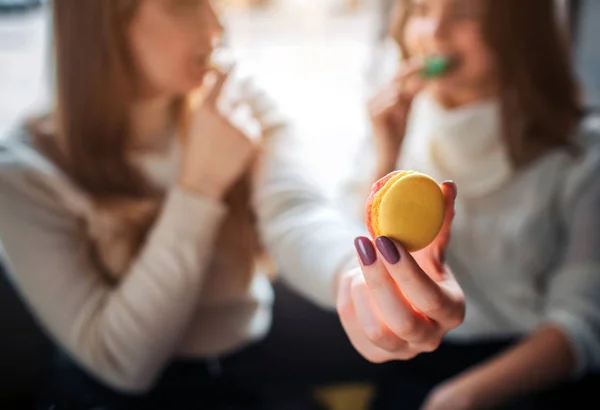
410, 68
392, 112
410, 81
243, 120
349, 320
412, 86
256, 99
222, 58
385, 111
220, 78
235, 99
397, 119
385, 100
440, 243
370, 319
396, 311
422, 292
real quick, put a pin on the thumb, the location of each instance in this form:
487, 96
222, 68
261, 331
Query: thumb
440, 243
215, 89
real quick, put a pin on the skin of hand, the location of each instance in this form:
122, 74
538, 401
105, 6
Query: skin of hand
388, 112
216, 152
398, 305
539, 361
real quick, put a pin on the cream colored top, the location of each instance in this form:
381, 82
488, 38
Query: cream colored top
525, 245
176, 297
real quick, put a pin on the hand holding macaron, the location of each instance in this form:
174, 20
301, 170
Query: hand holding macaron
403, 299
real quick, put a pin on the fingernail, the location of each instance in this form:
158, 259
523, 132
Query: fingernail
365, 250
454, 188
388, 249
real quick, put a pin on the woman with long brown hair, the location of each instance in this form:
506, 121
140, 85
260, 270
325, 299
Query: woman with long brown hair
136, 216
504, 123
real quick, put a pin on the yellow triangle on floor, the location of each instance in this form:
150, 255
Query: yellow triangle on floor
345, 397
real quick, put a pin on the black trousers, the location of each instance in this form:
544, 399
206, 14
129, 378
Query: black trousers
305, 348
407, 384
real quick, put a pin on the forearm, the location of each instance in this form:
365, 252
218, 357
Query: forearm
388, 146
310, 240
387, 160
311, 247
383, 168
125, 333
158, 295
538, 362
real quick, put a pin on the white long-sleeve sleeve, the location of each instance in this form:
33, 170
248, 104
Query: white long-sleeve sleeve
573, 301
125, 333
356, 186
307, 236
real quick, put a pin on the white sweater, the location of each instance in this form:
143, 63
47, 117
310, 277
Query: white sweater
173, 299
525, 245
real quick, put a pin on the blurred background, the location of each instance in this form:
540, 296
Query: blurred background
332, 49
335, 50
302, 48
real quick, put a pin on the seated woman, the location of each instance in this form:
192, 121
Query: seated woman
506, 125
135, 217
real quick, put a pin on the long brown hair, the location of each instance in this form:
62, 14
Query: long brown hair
539, 93
94, 77
89, 131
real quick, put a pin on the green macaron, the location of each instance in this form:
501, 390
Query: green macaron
436, 66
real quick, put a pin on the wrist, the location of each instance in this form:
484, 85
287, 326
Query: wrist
203, 186
480, 387
459, 393
386, 161
383, 168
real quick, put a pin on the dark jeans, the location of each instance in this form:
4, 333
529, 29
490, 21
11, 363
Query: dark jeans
408, 383
305, 348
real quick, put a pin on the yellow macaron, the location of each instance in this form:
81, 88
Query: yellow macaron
406, 206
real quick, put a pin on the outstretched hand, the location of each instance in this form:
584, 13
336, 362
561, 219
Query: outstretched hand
398, 305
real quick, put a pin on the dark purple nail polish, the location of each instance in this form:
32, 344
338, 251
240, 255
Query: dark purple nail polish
365, 250
388, 249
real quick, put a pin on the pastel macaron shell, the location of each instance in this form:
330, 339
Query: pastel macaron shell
379, 189
408, 207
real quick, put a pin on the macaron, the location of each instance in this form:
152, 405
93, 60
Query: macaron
437, 66
406, 206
